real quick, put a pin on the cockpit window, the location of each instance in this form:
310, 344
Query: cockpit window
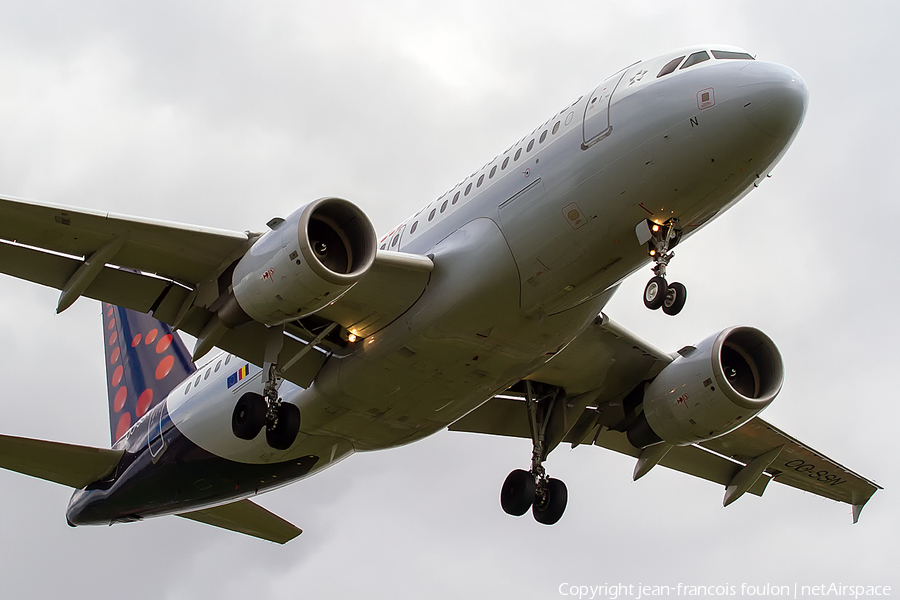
696, 57
723, 54
670, 66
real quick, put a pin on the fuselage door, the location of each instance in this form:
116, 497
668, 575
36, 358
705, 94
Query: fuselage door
596, 111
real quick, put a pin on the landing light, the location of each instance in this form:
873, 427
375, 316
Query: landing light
352, 338
655, 228
653, 253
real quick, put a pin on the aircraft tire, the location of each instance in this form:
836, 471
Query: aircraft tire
554, 505
249, 416
517, 493
282, 436
655, 292
675, 298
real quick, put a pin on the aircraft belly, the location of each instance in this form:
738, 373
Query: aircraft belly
463, 341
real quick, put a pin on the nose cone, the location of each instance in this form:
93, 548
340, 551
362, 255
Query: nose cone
774, 97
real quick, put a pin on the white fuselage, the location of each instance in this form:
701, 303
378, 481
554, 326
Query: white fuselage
527, 250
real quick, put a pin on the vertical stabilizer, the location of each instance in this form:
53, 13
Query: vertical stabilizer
145, 360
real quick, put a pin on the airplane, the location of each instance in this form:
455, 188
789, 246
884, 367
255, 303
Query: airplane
482, 312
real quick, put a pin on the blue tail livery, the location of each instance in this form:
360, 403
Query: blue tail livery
145, 360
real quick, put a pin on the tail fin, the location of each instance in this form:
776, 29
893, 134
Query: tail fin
145, 360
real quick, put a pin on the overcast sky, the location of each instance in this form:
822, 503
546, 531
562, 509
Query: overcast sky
227, 114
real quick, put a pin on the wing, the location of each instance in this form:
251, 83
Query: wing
172, 270
67, 464
249, 518
605, 363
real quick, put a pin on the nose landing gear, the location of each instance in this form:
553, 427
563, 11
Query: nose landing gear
660, 240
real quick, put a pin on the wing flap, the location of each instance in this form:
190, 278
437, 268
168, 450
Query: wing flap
797, 465
184, 253
248, 518
67, 464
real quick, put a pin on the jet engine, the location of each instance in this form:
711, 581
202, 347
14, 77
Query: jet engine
710, 389
305, 262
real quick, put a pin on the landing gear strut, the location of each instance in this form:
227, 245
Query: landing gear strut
658, 293
254, 411
522, 489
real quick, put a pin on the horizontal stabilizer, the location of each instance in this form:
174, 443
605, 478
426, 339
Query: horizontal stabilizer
246, 517
68, 464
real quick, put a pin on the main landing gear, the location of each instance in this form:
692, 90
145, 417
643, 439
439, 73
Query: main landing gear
254, 411
546, 497
658, 293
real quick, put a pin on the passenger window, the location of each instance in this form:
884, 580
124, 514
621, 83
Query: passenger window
543, 137
455, 198
468, 189
444, 206
208, 371
693, 59
480, 181
555, 128
414, 227
187, 389
197, 381
493, 170
670, 66
218, 364
518, 154
505, 162
227, 359
530, 146
431, 215
382, 247
395, 240
725, 54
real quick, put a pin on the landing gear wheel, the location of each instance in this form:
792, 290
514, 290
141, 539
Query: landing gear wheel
655, 292
550, 508
249, 416
517, 493
282, 436
675, 298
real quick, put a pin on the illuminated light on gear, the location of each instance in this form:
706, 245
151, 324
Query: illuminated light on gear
165, 365
119, 400
151, 336
124, 424
114, 356
163, 344
117, 375
143, 403
136, 341
113, 337
111, 324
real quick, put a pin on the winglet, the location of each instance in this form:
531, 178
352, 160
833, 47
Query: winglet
857, 502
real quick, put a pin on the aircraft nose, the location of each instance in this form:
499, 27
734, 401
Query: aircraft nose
774, 97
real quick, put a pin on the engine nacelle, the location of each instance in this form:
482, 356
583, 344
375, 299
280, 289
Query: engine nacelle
310, 259
710, 389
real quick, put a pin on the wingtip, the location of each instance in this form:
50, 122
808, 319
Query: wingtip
857, 508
